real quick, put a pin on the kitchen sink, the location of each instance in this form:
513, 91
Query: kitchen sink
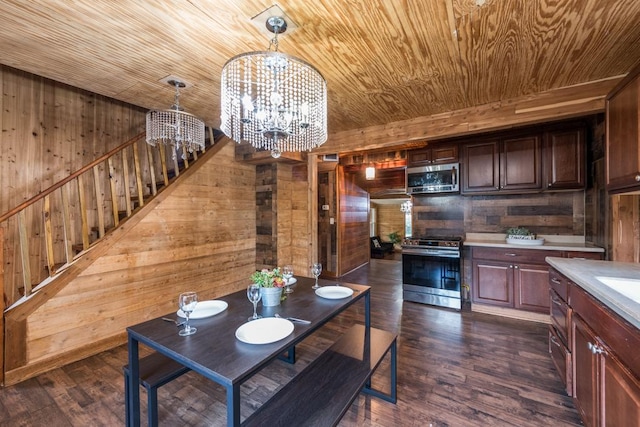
627, 287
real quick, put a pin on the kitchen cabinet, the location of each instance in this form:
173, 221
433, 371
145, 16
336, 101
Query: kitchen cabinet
602, 368
509, 164
514, 278
564, 150
433, 155
623, 135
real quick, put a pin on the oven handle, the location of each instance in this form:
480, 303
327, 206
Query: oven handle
432, 252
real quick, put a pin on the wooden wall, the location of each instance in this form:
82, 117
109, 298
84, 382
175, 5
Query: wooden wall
542, 213
353, 224
201, 237
50, 130
390, 219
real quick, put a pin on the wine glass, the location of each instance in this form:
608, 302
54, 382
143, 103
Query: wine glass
287, 274
187, 302
316, 269
254, 295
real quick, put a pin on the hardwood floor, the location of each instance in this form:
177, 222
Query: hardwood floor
454, 369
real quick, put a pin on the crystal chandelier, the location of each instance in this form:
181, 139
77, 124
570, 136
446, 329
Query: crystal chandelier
274, 101
174, 127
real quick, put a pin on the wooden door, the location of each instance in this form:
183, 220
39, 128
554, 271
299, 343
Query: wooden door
565, 158
585, 372
520, 163
620, 394
444, 154
531, 287
623, 136
481, 167
493, 283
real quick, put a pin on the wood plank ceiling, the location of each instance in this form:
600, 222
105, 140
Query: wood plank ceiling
384, 60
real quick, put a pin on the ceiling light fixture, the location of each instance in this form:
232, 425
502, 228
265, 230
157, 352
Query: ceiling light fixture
174, 127
274, 101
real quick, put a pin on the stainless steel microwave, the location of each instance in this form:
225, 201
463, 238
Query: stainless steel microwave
433, 179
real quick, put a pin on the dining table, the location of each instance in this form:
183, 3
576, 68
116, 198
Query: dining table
216, 352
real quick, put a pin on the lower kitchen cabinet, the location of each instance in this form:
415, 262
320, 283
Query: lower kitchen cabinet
513, 278
600, 365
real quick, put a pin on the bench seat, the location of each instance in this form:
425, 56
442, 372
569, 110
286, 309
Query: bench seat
322, 393
155, 371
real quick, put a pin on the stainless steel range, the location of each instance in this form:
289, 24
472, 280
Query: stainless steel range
431, 267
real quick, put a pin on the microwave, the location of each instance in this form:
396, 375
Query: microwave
433, 179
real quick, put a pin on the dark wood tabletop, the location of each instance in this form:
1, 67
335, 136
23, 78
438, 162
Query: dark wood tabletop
215, 352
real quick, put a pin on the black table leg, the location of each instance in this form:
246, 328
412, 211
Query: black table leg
133, 407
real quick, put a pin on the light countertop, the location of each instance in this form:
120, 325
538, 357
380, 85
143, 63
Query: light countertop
584, 273
551, 242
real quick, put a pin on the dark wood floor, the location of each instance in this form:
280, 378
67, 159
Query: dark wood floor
454, 369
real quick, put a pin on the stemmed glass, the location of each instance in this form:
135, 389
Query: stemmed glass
187, 302
287, 274
254, 295
316, 269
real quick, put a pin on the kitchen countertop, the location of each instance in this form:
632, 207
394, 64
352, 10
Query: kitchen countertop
584, 273
551, 243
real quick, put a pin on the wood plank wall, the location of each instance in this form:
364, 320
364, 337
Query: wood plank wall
201, 237
390, 219
50, 130
353, 223
542, 213
266, 215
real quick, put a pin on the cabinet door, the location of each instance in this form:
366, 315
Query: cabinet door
481, 163
585, 372
493, 283
520, 165
565, 159
620, 394
419, 157
623, 138
444, 154
531, 287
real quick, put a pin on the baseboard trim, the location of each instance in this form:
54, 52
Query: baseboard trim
512, 313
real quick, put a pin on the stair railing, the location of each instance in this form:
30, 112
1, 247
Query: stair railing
62, 222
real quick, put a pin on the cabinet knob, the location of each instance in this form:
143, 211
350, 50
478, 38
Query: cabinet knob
511, 266
516, 267
556, 281
594, 348
637, 178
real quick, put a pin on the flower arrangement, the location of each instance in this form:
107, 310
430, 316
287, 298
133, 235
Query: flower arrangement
520, 233
268, 278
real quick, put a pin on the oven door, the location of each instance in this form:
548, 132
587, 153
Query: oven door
431, 271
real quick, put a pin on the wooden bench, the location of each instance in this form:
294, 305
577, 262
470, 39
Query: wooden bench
322, 393
155, 371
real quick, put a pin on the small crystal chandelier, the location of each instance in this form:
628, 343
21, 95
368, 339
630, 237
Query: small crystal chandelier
406, 206
274, 101
174, 127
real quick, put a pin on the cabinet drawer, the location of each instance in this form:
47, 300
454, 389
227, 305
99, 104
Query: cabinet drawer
533, 256
559, 284
561, 359
559, 316
584, 255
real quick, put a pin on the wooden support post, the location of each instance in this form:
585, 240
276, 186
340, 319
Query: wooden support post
152, 170
114, 193
83, 214
99, 200
24, 252
125, 178
66, 224
48, 235
163, 162
136, 164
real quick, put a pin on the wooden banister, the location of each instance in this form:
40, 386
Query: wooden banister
71, 177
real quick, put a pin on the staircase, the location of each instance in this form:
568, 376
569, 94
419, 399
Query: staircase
54, 229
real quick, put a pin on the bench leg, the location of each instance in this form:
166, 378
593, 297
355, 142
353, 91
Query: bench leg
126, 396
152, 406
392, 395
290, 356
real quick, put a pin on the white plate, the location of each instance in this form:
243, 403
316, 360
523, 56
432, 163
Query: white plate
526, 242
265, 330
334, 292
206, 309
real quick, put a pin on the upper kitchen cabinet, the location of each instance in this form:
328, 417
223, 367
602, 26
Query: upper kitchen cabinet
510, 164
564, 150
433, 155
623, 135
